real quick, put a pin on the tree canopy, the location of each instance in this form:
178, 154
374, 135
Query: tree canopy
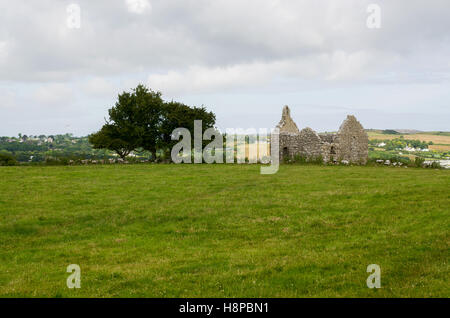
140, 119
178, 115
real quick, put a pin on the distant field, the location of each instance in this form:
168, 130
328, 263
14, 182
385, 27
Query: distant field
224, 231
439, 147
256, 150
440, 133
437, 139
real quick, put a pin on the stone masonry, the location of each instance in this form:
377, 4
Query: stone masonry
350, 143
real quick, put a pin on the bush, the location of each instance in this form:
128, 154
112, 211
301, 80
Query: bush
404, 160
300, 159
57, 161
435, 165
7, 160
318, 160
418, 162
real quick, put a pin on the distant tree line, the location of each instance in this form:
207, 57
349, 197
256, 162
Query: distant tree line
390, 132
39, 149
142, 121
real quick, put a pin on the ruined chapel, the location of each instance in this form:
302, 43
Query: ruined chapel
350, 144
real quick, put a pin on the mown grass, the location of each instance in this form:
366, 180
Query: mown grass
223, 231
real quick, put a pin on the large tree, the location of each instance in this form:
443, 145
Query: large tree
134, 122
141, 119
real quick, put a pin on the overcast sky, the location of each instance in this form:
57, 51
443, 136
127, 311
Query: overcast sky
242, 59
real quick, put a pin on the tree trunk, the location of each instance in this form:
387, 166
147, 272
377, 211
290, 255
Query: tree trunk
153, 152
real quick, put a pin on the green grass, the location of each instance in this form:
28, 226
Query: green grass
223, 231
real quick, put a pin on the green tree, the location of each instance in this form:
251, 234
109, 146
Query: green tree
133, 122
178, 115
114, 138
141, 120
7, 160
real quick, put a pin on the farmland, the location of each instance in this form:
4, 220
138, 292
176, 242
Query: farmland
433, 146
436, 139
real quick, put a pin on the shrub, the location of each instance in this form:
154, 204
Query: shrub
404, 160
7, 160
418, 162
435, 165
384, 155
317, 160
300, 159
57, 161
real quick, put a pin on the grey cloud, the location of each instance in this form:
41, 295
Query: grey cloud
193, 47
211, 33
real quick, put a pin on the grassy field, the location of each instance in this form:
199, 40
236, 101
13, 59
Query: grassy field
224, 231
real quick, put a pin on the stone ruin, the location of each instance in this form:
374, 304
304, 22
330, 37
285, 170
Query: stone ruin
349, 145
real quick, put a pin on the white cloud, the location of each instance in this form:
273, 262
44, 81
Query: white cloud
59, 94
3, 51
222, 47
7, 99
204, 79
98, 87
336, 66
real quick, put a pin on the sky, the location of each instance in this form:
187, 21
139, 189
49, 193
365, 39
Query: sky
63, 63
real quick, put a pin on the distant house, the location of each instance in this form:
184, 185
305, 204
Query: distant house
445, 164
408, 148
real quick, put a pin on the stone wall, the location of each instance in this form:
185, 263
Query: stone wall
327, 137
289, 145
351, 143
309, 143
287, 124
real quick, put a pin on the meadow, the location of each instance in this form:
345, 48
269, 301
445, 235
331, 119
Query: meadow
153, 230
